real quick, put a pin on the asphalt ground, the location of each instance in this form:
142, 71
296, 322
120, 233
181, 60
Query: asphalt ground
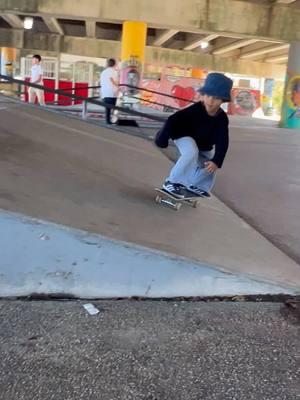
149, 350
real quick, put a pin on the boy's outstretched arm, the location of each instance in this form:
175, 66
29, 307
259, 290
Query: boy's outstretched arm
221, 144
164, 134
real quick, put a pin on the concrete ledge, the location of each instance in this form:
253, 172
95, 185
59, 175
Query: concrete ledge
44, 258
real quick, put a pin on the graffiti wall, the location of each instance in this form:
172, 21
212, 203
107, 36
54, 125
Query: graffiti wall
244, 101
291, 103
185, 89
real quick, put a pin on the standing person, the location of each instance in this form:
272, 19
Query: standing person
109, 81
200, 133
36, 77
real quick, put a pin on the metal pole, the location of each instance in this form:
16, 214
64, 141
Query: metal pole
84, 109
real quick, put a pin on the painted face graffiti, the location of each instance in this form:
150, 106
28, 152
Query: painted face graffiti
293, 96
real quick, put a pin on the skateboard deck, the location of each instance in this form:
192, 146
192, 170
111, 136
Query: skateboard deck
164, 197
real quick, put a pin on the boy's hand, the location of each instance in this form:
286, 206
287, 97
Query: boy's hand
210, 167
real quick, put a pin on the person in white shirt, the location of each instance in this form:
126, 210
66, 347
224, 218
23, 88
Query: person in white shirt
36, 77
109, 82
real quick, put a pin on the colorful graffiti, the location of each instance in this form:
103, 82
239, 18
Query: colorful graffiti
244, 101
291, 106
293, 96
130, 75
185, 89
266, 100
184, 95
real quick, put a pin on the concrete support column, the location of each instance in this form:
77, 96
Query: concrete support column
268, 89
132, 53
290, 115
8, 58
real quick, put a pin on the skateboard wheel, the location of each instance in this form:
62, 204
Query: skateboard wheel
177, 206
158, 199
195, 203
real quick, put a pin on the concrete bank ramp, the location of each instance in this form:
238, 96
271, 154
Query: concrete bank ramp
65, 171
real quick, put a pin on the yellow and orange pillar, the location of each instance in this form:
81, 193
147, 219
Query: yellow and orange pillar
8, 58
134, 34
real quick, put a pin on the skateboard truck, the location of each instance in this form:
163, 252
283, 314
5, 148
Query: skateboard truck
163, 197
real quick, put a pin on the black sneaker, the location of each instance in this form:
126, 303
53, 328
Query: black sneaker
175, 189
199, 192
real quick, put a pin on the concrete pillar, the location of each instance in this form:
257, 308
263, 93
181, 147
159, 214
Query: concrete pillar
267, 101
290, 115
8, 58
132, 53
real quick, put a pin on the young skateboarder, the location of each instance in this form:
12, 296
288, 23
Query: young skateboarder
200, 133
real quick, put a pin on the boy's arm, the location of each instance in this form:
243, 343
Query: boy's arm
164, 134
115, 79
114, 82
222, 143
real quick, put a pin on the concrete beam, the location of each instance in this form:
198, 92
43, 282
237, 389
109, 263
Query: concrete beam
53, 25
270, 21
91, 47
235, 45
154, 55
42, 41
13, 20
281, 58
11, 38
164, 37
264, 50
162, 56
196, 43
90, 27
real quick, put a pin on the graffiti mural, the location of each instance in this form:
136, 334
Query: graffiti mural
244, 101
185, 89
291, 103
293, 97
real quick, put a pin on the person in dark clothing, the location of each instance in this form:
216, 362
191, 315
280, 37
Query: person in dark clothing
200, 133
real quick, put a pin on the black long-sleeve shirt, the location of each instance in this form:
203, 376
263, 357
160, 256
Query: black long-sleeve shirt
194, 121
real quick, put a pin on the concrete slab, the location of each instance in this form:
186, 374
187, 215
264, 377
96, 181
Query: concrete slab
52, 259
260, 180
75, 174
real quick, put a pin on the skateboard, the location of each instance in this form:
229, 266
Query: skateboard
164, 197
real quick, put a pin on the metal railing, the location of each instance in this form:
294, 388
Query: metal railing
67, 91
159, 93
85, 100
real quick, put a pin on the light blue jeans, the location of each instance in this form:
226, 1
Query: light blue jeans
189, 169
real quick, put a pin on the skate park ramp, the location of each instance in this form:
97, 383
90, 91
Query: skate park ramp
95, 180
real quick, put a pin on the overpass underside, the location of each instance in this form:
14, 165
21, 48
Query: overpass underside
244, 37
